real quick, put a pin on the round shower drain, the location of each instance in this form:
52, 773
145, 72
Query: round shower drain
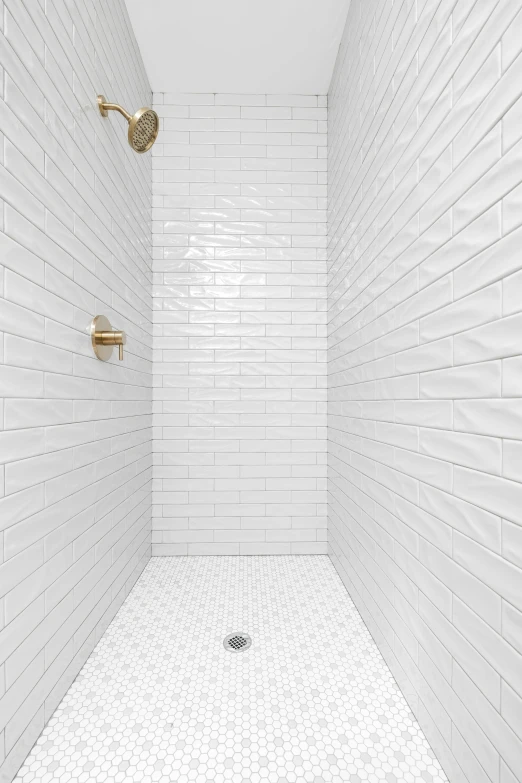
237, 642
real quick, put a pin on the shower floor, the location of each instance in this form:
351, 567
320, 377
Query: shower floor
160, 699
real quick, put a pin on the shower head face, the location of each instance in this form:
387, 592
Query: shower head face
143, 129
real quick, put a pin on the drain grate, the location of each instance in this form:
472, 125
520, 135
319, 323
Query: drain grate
237, 642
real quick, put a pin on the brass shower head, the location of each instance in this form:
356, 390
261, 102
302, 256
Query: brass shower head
143, 126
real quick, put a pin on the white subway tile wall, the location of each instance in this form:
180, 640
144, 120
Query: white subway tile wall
239, 235
75, 433
425, 366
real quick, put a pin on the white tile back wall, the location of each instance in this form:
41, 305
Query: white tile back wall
239, 232
75, 433
425, 372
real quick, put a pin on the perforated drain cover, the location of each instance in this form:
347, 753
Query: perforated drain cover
237, 642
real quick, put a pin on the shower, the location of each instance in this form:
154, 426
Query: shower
261, 391
143, 125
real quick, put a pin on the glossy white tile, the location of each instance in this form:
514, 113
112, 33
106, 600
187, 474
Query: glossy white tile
250, 231
424, 360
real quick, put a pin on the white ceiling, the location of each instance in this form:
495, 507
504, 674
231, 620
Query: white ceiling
239, 46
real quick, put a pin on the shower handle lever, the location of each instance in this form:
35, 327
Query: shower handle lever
104, 338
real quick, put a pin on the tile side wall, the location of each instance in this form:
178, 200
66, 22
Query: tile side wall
75, 433
425, 365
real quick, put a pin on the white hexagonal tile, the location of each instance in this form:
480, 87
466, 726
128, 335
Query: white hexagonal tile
160, 698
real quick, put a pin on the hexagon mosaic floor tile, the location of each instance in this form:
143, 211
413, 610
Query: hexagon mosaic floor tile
161, 699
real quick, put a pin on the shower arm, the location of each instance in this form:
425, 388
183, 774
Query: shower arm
106, 107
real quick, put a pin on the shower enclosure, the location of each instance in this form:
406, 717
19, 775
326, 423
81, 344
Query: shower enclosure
260, 421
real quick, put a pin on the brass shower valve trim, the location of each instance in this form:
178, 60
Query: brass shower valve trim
104, 338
